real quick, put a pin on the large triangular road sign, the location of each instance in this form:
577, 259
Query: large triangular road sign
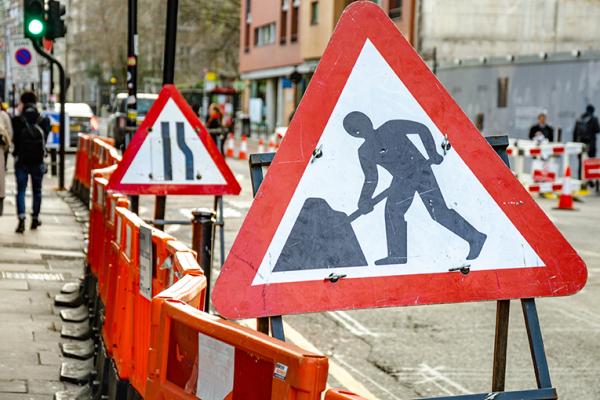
383, 193
172, 153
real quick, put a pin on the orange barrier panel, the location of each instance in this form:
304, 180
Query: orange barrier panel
96, 226
340, 394
109, 251
127, 322
196, 355
128, 261
80, 156
190, 289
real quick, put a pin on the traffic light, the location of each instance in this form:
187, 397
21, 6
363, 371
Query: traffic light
34, 21
56, 23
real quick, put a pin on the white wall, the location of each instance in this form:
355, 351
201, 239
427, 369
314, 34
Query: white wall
468, 29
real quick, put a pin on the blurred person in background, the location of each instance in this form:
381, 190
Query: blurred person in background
215, 117
586, 128
5, 142
30, 131
541, 132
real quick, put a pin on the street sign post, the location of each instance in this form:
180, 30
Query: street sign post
383, 194
172, 153
23, 62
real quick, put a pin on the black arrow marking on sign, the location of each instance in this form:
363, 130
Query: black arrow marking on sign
166, 138
187, 152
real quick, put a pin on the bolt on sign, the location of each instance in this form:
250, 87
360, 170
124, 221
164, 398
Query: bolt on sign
172, 153
383, 193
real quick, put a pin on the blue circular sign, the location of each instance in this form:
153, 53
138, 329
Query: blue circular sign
23, 56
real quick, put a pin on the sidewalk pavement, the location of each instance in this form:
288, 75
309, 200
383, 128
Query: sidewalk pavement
33, 268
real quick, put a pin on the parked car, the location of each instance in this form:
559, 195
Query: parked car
118, 118
81, 120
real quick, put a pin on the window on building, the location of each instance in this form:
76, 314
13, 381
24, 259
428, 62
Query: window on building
314, 13
395, 10
502, 92
283, 21
248, 9
247, 38
295, 17
264, 35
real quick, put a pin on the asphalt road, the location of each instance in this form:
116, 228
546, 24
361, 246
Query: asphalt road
403, 353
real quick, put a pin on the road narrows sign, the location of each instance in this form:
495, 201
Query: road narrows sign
381, 194
172, 153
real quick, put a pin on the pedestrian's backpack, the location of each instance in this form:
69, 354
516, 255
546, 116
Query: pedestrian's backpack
33, 148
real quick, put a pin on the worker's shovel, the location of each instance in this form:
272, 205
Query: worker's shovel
322, 238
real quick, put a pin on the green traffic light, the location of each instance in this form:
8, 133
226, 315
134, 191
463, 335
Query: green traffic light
35, 27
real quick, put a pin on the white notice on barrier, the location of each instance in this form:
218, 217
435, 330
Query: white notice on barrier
215, 368
145, 256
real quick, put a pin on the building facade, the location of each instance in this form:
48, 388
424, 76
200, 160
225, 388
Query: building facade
281, 42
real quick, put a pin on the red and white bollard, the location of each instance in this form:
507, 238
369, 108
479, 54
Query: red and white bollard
272, 148
261, 145
565, 200
243, 154
230, 146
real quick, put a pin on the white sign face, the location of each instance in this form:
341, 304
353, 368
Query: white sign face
436, 216
172, 153
23, 62
216, 363
146, 255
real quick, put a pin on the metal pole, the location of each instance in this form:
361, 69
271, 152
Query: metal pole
170, 42
132, 84
168, 78
62, 96
203, 223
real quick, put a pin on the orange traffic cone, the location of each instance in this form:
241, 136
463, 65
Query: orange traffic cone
230, 146
243, 154
272, 147
261, 145
565, 200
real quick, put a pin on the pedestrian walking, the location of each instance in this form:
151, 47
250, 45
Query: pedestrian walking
30, 131
586, 129
5, 142
215, 117
541, 132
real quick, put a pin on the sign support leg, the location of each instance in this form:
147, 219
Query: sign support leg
257, 162
500, 344
536, 343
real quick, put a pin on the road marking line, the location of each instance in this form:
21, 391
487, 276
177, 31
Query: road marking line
338, 372
351, 324
357, 372
434, 375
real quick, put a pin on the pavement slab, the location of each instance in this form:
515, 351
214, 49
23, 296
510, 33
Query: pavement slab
33, 268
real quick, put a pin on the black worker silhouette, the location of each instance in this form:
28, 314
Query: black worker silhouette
390, 147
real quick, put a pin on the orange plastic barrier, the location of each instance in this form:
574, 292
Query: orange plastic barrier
191, 289
340, 394
81, 157
97, 227
126, 330
196, 355
110, 249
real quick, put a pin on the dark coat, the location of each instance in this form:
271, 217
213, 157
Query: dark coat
32, 116
546, 130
